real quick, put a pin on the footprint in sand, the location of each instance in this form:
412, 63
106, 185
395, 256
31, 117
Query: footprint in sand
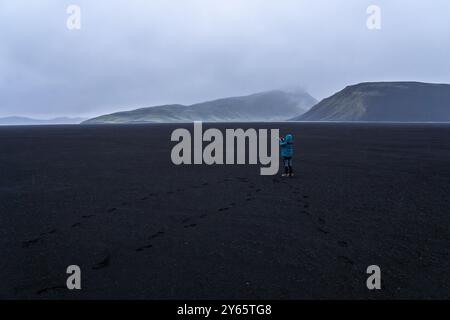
156, 235
343, 244
185, 220
148, 246
346, 260
152, 237
29, 243
103, 263
45, 290
51, 231
323, 231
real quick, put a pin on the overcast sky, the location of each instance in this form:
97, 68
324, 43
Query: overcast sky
136, 53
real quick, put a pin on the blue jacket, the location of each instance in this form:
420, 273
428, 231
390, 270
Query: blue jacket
287, 147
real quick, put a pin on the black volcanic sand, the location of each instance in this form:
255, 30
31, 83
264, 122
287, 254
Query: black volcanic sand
107, 198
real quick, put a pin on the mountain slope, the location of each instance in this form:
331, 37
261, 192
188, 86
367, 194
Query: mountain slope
266, 106
384, 101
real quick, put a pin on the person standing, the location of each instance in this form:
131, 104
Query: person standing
287, 152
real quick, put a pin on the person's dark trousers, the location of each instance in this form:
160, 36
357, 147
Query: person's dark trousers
287, 161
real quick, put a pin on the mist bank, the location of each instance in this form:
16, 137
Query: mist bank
19, 121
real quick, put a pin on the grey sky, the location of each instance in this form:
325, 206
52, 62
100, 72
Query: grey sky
135, 53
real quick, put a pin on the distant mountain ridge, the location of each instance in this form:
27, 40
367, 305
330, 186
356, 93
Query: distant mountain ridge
276, 105
384, 101
14, 121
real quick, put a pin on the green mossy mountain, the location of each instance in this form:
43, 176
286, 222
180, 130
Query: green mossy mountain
274, 105
384, 101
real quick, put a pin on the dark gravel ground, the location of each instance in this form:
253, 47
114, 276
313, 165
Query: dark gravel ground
108, 198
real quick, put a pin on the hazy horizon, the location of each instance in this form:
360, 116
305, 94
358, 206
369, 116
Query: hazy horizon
131, 54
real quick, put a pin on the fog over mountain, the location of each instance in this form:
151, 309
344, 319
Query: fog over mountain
385, 101
19, 121
132, 53
273, 105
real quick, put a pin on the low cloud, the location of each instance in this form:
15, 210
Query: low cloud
140, 53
